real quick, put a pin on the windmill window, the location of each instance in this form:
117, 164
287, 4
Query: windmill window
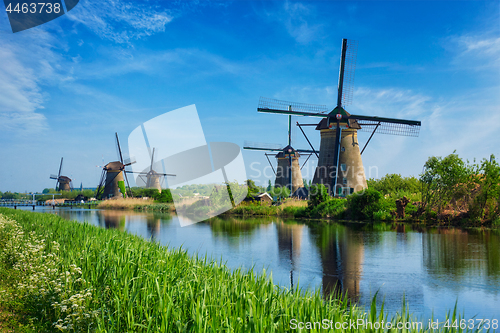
342, 149
343, 167
345, 181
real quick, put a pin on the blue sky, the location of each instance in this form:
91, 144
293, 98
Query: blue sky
67, 86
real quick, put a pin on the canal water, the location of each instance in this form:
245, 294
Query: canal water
432, 268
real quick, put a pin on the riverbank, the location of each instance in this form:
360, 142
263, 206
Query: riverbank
339, 210
136, 204
77, 276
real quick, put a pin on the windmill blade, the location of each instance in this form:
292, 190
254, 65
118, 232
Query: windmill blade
146, 173
52, 176
152, 160
284, 107
351, 51
60, 168
392, 126
119, 150
249, 145
129, 161
305, 151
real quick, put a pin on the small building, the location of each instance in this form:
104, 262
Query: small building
262, 198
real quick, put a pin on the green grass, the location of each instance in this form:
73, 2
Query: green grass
76, 277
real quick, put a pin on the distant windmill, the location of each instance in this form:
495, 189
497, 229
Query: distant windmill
112, 184
288, 170
150, 178
340, 166
63, 183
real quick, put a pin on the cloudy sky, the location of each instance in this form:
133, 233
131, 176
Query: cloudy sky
108, 66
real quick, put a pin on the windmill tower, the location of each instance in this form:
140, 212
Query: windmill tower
112, 183
63, 183
287, 172
340, 167
150, 178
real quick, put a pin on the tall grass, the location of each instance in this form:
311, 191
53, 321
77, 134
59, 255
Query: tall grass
135, 203
112, 281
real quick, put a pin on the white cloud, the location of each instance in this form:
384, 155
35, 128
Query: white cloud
21, 97
475, 51
297, 18
120, 21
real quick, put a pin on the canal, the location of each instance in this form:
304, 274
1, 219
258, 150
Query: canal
431, 267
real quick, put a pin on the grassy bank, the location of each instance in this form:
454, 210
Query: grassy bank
136, 204
65, 276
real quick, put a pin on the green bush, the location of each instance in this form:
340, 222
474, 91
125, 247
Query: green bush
362, 205
317, 195
382, 215
394, 183
332, 208
410, 209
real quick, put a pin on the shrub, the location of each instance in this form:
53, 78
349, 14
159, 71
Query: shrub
318, 194
410, 209
332, 208
362, 205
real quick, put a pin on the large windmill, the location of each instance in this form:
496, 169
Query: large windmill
63, 183
150, 178
288, 170
112, 184
340, 167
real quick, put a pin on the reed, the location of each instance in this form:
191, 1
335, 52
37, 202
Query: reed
135, 203
87, 279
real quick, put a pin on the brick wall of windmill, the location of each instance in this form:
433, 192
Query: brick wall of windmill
353, 174
111, 189
282, 174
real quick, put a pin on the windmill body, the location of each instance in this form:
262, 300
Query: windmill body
284, 171
149, 177
114, 182
288, 173
63, 183
351, 175
153, 180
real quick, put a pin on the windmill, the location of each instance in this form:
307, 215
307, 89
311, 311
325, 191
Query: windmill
63, 183
288, 170
149, 178
112, 184
340, 167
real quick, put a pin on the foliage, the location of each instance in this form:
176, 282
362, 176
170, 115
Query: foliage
488, 197
10, 195
452, 182
317, 195
333, 207
362, 205
394, 183
445, 180
252, 188
280, 192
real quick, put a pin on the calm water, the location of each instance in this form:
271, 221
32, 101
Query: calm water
431, 267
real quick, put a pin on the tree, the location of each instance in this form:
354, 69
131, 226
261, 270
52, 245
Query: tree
269, 186
444, 181
280, 192
394, 183
252, 188
487, 176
